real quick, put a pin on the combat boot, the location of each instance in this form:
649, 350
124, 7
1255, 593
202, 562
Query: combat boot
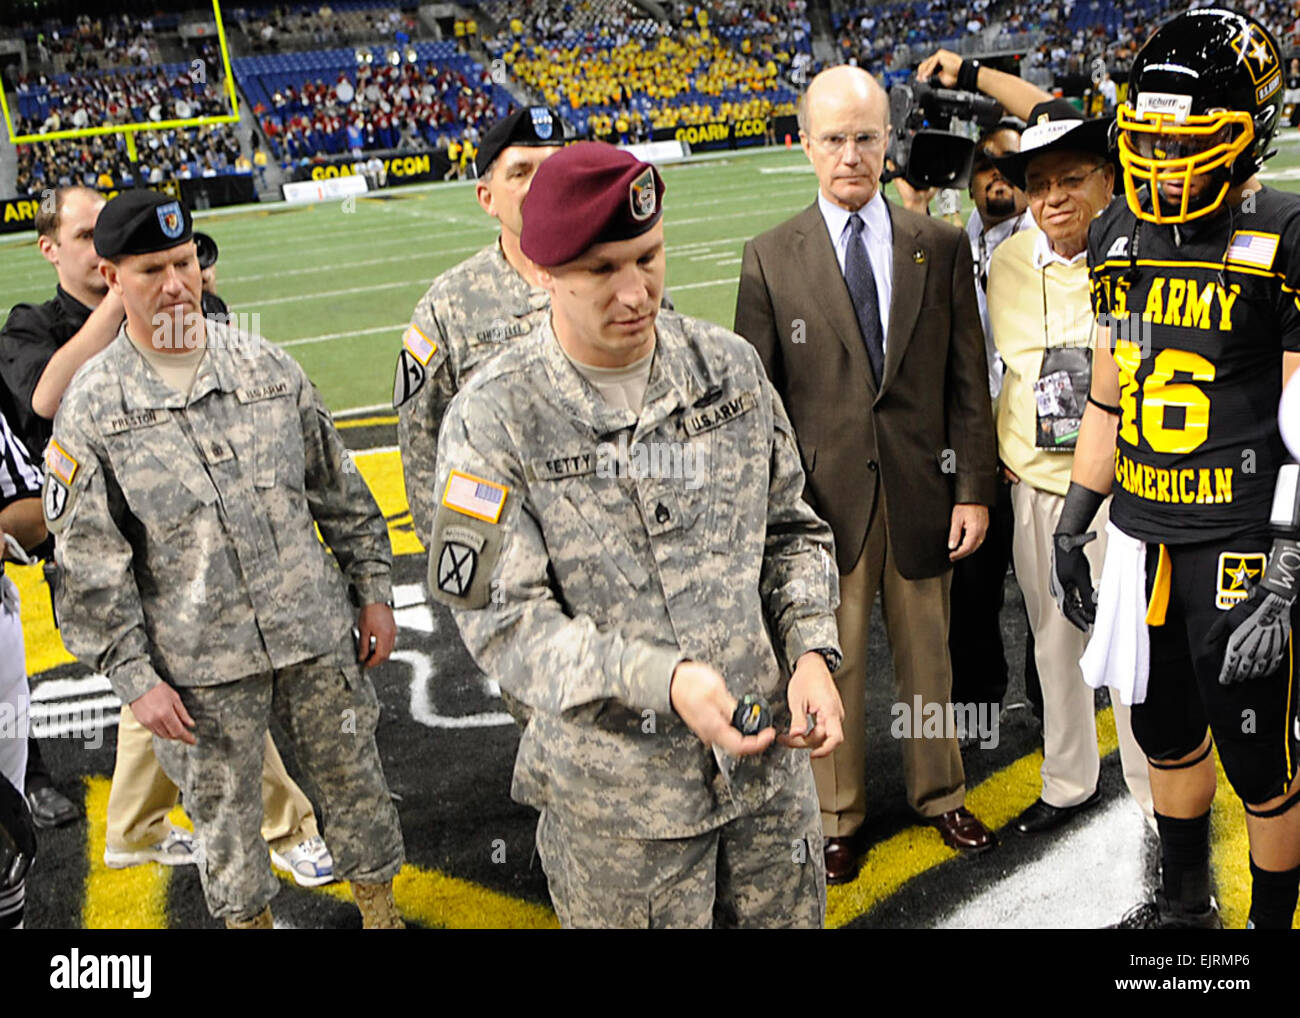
261, 921
378, 910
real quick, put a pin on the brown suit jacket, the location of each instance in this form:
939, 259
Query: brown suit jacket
927, 434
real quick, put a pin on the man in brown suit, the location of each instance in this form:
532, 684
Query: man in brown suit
866, 319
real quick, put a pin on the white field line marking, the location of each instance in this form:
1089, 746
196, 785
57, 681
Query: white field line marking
1102, 852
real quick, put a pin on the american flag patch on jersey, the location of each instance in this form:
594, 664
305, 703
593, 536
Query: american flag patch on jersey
60, 464
420, 345
1251, 248
474, 496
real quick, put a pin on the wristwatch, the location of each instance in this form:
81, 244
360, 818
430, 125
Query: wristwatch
831, 656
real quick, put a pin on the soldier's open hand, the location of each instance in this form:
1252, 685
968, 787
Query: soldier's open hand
161, 711
812, 692
700, 698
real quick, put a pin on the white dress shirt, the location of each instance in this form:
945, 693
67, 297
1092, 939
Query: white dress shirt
879, 237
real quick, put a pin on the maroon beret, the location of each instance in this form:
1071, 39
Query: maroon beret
589, 193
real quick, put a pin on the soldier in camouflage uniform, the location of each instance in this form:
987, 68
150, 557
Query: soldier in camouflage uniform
185, 500
474, 310
622, 540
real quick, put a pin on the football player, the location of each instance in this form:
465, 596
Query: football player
1194, 280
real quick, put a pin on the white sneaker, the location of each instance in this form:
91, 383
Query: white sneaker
309, 861
176, 849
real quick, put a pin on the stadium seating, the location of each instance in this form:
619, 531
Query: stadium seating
300, 127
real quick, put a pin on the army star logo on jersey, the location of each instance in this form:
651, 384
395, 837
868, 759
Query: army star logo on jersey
1237, 574
456, 565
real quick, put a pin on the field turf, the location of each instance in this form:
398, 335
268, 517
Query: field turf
336, 284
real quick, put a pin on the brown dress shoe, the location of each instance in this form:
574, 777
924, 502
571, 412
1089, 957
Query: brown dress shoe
962, 830
841, 860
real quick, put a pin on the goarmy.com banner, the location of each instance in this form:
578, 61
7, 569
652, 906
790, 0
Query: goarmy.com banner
724, 134
400, 169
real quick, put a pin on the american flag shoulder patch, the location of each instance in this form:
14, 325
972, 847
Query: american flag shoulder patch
474, 496
420, 345
60, 464
1250, 247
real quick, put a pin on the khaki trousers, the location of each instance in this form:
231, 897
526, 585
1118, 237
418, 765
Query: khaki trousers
916, 622
141, 795
1071, 764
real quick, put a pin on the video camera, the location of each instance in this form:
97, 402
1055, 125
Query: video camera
922, 145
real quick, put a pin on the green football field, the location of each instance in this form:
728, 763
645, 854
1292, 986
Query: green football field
337, 287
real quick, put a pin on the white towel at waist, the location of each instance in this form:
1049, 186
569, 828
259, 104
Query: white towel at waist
1119, 651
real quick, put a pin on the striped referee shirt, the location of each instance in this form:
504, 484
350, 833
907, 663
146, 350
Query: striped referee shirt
19, 476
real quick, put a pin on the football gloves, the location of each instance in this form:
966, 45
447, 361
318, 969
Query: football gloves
1255, 633
1071, 578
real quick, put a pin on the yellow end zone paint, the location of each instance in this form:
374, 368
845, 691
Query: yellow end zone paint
997, 801
383, 472
365, 422
44, 648
435, 899
129, 899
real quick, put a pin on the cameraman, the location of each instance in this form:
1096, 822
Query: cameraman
975, 633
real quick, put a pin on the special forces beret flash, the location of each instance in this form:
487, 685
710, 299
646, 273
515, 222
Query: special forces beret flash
533, 125
589, 193
140, 221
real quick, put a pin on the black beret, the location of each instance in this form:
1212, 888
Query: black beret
207, 249
141, 221
532, 125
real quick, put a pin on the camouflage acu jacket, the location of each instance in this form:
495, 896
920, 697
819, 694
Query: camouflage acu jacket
470, 313
186, 528
586, 551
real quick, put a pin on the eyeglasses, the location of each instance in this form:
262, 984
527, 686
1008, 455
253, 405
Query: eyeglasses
1070, 182
864, 142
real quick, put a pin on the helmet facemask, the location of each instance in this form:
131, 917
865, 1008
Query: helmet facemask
1161, 143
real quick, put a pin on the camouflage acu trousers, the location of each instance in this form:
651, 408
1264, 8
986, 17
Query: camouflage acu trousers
329, 711
762, 871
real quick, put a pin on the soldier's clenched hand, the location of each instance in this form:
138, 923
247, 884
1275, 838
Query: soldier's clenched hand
161, 711
812, 691
375, 621
700, 698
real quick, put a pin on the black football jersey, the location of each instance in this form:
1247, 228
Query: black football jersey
1200, 315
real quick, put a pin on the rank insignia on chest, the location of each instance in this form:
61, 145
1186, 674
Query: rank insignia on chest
1237, 574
